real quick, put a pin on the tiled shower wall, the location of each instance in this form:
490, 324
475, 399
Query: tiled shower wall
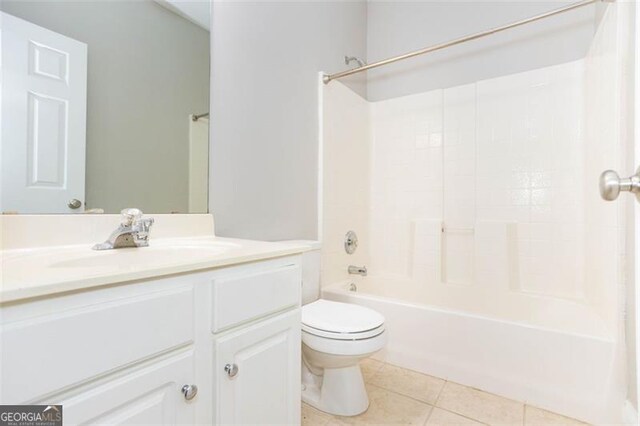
486, 194
406, 185
482, 182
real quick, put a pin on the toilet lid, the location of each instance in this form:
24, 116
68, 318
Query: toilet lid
336, 317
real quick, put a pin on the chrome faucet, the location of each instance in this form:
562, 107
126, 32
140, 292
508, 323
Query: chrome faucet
358, 270
132, 232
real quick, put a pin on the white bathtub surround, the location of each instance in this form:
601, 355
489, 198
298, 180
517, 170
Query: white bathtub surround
484, 216
50, 254
346, 179
473, 198
471, 158
465, 188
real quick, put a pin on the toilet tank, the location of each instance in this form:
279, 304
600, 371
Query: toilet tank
310, 270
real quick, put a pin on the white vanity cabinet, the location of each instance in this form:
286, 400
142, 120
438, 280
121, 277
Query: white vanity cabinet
134, 353
257, 363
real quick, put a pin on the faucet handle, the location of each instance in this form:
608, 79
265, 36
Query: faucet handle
142, 228
144, 225
129, 216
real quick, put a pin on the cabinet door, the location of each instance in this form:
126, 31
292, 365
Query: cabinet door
148, 396
266, 387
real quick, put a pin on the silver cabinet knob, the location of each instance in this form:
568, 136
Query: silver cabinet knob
189, 391
231, 369
74, 203
611, 185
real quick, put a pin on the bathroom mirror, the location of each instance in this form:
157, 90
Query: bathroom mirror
104, 106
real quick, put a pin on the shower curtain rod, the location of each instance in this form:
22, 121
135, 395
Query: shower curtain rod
328, 77
196, 117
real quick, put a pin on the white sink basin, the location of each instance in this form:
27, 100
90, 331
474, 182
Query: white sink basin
137, 257
159, 253
212, 244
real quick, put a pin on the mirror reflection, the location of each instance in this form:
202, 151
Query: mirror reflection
105, 106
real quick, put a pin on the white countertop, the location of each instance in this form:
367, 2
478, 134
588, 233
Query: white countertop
41, 271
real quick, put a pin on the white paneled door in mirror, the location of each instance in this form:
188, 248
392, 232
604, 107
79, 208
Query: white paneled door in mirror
44, 103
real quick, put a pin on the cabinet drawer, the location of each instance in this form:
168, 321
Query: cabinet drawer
242, 298
44, 354
147, 396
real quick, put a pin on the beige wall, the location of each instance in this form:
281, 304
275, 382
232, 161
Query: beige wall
148, 70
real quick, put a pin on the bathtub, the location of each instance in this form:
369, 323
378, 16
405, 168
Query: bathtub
563, 371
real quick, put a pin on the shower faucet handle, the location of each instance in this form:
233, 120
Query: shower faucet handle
611, 185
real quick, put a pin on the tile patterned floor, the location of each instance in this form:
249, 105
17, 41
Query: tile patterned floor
404, 397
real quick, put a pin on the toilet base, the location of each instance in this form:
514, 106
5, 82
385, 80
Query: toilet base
338, 391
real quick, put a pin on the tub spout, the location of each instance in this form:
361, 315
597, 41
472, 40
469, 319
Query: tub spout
358, 270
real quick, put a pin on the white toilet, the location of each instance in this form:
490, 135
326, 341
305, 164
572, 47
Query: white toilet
335, 338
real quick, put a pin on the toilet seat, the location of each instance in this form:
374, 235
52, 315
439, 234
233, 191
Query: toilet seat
343, 336
343, 321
